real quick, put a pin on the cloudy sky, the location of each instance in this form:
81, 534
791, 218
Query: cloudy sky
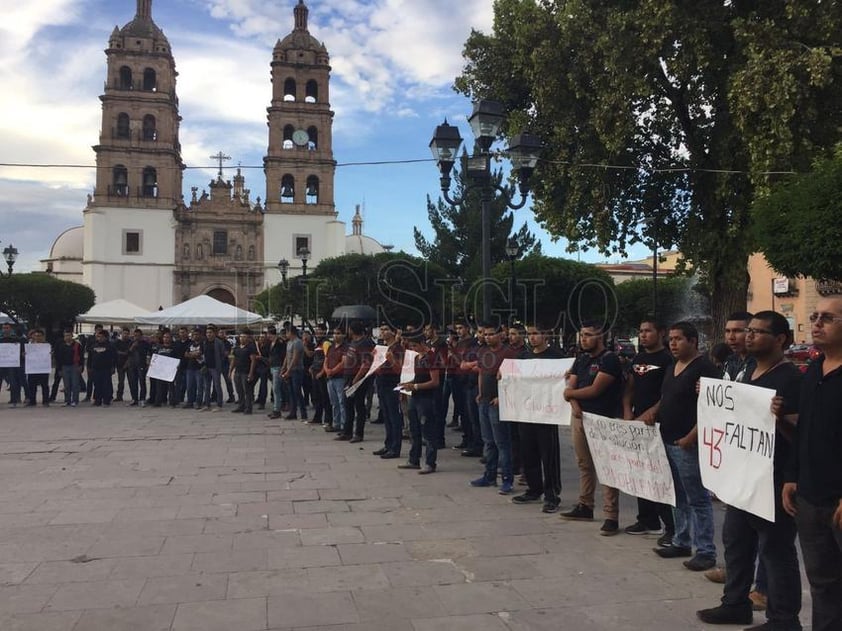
393, 63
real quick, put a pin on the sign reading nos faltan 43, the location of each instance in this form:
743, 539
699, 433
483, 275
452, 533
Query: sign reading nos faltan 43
737, 444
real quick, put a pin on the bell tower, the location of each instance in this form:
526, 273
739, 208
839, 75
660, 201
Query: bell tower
299, 165
138, 156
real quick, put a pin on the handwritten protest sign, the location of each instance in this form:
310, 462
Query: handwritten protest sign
532, 391
379, 360
407, 370
38, 361
630, 456
737, 444
10, 355
162, 368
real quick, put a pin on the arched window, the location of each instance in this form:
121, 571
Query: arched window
287, 189
150, 80
186, 252
288, 131
289, 89
314, 138
149, 130
251, 253
123, 127
120, 181
311, 92
150, 182
312, 196
125, 78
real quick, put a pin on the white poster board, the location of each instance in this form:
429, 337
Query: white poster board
378, 360
737, 444
407, 370
532, 391
37, 359
630, 456
10, 355
163, 368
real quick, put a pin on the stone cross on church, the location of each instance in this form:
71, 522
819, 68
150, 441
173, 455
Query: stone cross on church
219, 157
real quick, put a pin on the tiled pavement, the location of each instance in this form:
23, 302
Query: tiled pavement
154, 520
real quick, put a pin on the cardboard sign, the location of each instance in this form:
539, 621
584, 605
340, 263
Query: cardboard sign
10, 355
737, 444
532, 391
162, 368
630, 456
379, 360
38, 359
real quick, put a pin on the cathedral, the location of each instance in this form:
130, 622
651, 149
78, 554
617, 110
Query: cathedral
143, 241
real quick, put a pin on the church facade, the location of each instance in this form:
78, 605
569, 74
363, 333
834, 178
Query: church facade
142, 241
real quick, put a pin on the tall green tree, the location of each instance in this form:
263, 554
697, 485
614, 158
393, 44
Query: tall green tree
458, 230
799, 224
634, 302
661, 119
43, 300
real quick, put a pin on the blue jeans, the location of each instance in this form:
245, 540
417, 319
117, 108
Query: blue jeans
195, 387
212, 378
693, 508
422, 420
296, 397
392, 418
70, 375
497, 442
277, 389
336, 392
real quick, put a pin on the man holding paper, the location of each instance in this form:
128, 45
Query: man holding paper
746, 535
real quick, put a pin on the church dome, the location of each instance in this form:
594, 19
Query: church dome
69, 244
142, 25
362, 244
300, 38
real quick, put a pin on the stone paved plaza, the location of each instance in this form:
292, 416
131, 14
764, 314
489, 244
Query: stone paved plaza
118, 519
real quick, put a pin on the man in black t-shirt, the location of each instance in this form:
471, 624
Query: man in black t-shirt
539, 447
595, 385
640, 402
746, 535
812, 492
357, 359
677, 415
245, 359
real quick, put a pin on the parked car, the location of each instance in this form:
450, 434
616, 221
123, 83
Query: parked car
798, 352
625, 348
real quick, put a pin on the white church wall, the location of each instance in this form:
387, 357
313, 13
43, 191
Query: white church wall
324, 235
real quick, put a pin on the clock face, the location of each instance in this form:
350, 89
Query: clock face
300, 137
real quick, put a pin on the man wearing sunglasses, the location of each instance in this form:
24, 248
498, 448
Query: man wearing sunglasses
813, 489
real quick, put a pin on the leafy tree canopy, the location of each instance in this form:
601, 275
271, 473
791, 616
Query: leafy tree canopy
634, 302
798, 226
691, 103
458, 230
404, 289
43, 300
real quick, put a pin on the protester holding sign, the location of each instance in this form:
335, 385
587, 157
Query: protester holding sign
387, 379
677, 415
746, 535
421, 408
595, 385
640, 402
813, 489
539, 441
11, 345
38, 367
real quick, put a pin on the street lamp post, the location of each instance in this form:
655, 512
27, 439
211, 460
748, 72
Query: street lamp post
524, 149
512, 254
654, 279
11, 255
283, 267
304, 255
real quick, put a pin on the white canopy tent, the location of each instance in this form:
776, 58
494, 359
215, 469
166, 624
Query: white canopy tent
202, 310
117, 311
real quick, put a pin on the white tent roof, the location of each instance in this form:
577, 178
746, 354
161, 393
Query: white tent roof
201, 310
117, 311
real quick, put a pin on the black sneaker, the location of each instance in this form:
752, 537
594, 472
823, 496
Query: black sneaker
638, 528
665, 540
725, 614
526, 498
700, 563
580, 512
550, 507
673, 552
610, 527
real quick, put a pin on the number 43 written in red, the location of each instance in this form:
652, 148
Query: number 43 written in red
712, 438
